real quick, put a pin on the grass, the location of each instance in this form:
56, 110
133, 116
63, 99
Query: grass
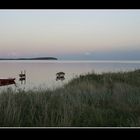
91, 100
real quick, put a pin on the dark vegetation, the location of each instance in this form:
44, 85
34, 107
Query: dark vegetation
91, 100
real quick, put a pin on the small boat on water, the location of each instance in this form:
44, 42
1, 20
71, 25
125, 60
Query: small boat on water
60, 76
8, 81
60, 73
22, 74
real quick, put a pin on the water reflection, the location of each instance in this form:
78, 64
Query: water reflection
22, 80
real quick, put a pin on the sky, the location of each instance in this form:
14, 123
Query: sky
70, 34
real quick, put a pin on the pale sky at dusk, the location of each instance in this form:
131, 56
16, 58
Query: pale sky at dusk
70, 34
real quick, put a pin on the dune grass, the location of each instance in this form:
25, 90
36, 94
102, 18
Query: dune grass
91, 100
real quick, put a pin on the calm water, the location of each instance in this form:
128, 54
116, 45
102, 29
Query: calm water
43, 73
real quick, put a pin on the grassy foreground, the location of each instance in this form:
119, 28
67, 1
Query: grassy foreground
92, 100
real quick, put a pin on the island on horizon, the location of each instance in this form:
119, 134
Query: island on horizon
35, 58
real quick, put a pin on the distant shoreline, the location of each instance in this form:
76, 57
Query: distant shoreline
37, 58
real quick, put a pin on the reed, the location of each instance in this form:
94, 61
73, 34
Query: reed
91, 100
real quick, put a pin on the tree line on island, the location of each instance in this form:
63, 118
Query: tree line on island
35, 58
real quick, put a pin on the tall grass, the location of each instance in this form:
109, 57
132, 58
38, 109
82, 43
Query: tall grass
96, 100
